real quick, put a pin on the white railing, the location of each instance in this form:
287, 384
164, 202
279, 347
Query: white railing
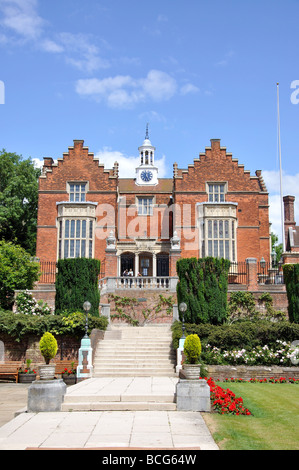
110, 284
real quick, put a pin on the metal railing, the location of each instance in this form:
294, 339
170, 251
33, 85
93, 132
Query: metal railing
48, 271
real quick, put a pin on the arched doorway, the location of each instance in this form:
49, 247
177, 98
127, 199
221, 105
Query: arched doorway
162, 264
126, 262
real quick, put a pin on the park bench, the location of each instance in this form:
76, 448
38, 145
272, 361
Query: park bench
10, 370
64, 364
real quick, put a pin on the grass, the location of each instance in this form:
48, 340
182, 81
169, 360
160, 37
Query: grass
273, 425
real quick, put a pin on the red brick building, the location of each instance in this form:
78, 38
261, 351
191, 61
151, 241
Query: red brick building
145, 223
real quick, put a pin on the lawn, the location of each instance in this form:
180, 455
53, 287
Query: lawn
273, 425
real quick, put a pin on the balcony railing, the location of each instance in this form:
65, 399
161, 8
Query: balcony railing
110, 284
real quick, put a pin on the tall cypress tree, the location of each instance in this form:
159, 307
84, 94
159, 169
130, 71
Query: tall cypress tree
203, 287
291, 278
76, 282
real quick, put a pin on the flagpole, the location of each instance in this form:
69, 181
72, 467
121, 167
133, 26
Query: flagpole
280, 172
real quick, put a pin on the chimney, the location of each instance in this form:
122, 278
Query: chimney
215, 144
48, 162
289, 215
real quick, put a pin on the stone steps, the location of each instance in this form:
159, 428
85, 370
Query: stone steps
135, 351
122, 394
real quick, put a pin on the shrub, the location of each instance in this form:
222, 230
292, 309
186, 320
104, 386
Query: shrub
192, 349
48, 347
18, 326
203, 287
76, 282
26, 304
291, 278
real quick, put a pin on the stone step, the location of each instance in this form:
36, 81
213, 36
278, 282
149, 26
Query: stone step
118, 406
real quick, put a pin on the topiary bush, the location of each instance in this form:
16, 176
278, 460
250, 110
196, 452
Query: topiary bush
291, 278
192, 349
203, 287
76, 282
48, 346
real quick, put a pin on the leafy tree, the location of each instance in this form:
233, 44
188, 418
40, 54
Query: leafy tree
18, 200
277, 248
17, 271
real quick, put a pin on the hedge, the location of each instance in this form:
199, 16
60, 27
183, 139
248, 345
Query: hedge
291, 279
245, 334
19, 325
76, 282
203, 287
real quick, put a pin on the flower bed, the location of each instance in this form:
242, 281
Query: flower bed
280, 354
225, 401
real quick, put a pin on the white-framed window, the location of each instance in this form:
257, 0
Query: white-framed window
77, 191
216, 192
75, 238
145, 205
220, 238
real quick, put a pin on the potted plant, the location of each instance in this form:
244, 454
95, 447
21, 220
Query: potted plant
48, 348
192, 351
69, 375
26, 375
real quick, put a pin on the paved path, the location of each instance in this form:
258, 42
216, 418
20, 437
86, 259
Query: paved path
98, 429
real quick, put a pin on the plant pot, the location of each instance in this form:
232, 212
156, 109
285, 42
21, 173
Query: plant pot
69, 379
191, 371
46, 371
26, 378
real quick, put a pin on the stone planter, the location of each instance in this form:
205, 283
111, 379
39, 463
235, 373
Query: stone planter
191, 371
46, 371
26, 378
69, 379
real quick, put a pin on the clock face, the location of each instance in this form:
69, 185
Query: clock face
146, 175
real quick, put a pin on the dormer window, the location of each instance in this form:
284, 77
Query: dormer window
77, 192
216, 192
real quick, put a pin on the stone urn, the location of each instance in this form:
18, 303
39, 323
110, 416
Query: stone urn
191, 371
46, 371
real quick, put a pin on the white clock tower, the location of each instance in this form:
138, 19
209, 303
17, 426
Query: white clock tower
147, 172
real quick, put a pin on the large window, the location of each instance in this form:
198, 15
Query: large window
220, 237
76, 238
145, 206
77, 192
216, 192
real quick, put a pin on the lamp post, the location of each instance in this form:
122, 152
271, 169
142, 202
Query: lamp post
183, 308
87, 307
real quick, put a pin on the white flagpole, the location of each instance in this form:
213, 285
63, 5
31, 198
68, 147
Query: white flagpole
280, 171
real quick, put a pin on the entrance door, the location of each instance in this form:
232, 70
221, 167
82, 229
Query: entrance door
163, 265
145, 265
127, 263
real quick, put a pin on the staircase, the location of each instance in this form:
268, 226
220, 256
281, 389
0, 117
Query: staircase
135, 352
133, 369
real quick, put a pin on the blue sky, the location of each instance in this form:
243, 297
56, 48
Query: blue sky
194, 70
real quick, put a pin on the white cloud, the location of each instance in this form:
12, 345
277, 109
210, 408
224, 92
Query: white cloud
21, 17
127, 164
189, 88
123, 91
290, 186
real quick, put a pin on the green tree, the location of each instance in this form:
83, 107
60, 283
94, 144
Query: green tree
17, 272
277, 248
203, 287
18, 200
291, 278
76, 282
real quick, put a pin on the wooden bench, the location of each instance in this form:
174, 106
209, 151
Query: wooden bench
64, 364
10, 370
